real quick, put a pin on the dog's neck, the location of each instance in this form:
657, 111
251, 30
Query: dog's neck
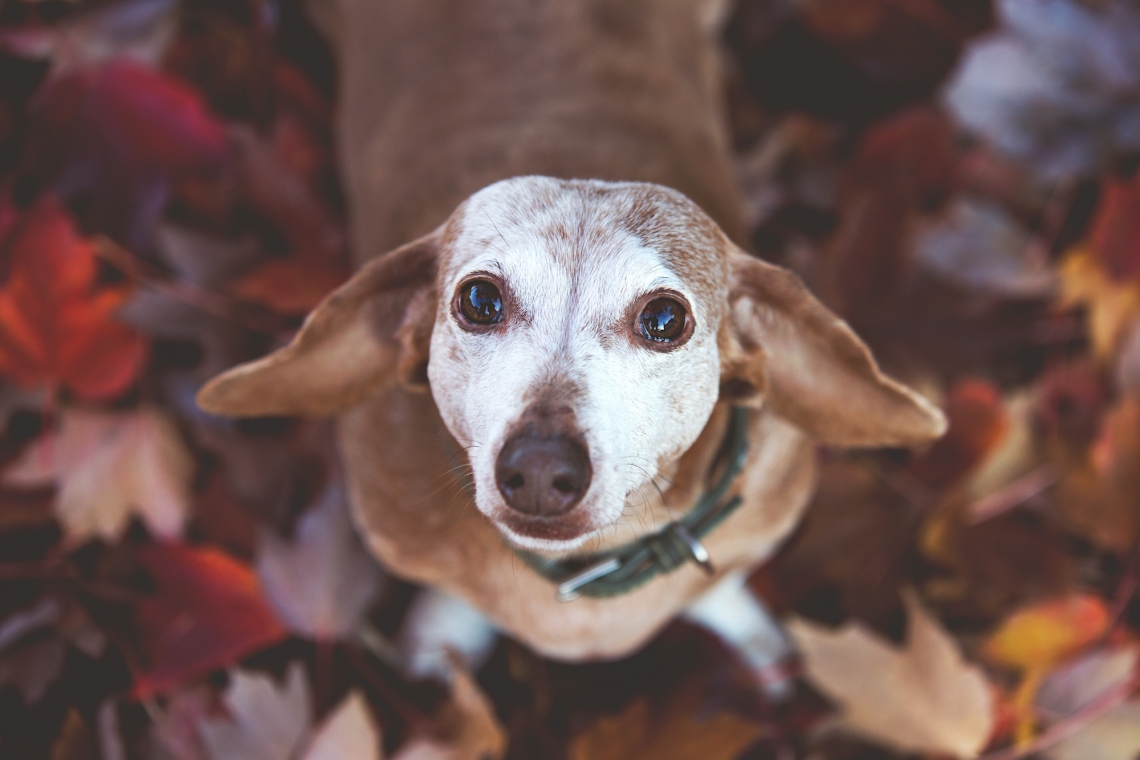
440, 99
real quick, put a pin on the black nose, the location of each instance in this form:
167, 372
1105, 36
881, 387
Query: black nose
543, 476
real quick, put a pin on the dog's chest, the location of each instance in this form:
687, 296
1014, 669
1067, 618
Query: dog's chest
415, 513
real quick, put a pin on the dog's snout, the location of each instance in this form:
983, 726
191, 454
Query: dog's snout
543, 476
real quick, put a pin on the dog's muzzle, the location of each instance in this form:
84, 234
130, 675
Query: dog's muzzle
543, 476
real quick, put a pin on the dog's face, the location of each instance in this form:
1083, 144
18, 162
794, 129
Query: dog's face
574, 350
576, 336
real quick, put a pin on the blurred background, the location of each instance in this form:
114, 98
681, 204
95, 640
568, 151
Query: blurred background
956, 178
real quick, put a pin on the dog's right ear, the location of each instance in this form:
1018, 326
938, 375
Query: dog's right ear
373, 329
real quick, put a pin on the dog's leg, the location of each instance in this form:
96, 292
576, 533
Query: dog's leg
438, 623
740, 619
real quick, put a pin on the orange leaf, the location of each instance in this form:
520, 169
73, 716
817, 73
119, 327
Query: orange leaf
978, 421
291, 286
1044, 634
208, 612
56, 322
1115, 234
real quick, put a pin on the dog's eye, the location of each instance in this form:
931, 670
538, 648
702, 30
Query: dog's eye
662, 320
481, 303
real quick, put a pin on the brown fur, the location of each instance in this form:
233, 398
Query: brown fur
439, 99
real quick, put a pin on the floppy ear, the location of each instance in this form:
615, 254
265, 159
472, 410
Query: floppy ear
373, 329
781, 344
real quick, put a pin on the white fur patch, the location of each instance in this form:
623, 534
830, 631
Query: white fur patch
574, 270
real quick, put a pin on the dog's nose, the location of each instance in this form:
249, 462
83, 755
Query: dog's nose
543, 476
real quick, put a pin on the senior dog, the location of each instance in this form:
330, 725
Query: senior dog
553, 322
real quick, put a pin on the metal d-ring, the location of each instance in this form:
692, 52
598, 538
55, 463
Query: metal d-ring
696, 549
568, 589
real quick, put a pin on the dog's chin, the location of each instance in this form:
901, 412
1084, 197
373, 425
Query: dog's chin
546, 535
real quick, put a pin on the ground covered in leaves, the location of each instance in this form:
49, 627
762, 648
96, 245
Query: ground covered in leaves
956, 179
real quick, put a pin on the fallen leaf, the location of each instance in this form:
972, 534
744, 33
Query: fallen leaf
323, 582
208, 612
1112, 306
921, 697
977, 423
1098, 494
56, 323
1055, 86
112, 136
140, 29
1044, 634
1115, 735
266, 721
349, 733
1115, 232
33, 667
110, 466
679, 733
292, 286
466, 728
74, 741
981, 247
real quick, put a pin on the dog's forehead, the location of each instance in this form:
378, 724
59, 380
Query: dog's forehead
585, 230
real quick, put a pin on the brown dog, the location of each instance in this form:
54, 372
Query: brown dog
585, 342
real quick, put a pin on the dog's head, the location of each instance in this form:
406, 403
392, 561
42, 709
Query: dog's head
579, 335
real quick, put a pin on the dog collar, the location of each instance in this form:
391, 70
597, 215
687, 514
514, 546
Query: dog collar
625, 568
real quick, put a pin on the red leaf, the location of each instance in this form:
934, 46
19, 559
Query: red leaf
291, 286
163, 119
208, 612
1115, 231
977, 423
56, 323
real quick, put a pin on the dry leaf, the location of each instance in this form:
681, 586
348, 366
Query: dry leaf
922, 697
1112, 306
267, 721
678, 734
323, 582
1043, 634
208, 611
467, 729
1115, 735
33, 667
1099, 495
349, 733
110, 466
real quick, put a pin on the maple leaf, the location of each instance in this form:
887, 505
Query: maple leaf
1098, 495
922, 697
322, 582
1115, 734
466, 728
1111, 305
108, 467
291, 286
113, 135
349, 733
978, 421
266, 721
271, 722
637, 734
208, 612
1115, 233
56, 325
1043, 634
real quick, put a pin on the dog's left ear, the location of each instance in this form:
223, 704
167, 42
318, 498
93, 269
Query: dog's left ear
373, 329
782, 345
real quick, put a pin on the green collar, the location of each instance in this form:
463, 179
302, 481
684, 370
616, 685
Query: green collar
621, 570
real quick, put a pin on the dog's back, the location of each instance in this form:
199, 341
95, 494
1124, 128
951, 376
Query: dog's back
441, 98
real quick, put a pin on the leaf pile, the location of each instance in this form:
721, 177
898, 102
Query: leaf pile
958, 180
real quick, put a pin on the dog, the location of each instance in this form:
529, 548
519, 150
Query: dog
565, 393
